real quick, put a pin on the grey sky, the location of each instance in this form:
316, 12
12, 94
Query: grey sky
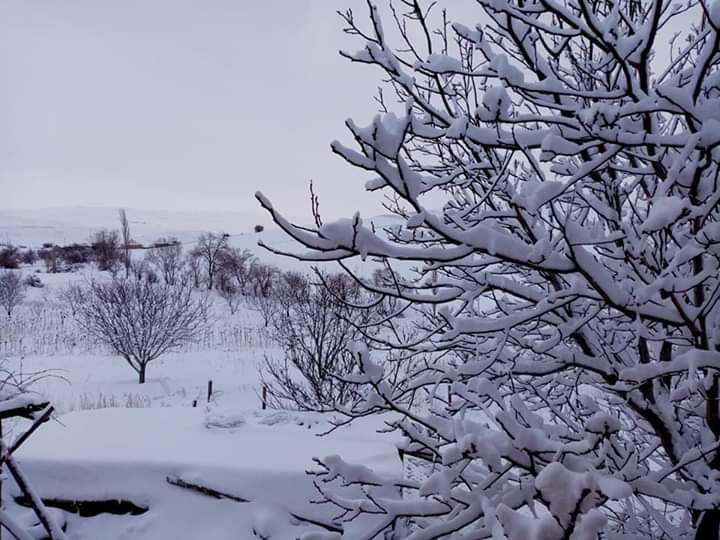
177, 104
183, 104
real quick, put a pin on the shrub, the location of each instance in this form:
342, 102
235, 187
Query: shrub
9, 257
12, 290
313, 323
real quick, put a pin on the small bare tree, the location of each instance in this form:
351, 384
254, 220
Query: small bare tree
12, 290
51, 256
106, 245
125, 233
262, 278
234, 269
166, 256
229, 292
139, 320
209, 250
313, 323
9, 257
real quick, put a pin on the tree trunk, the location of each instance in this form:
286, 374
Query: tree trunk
141, 374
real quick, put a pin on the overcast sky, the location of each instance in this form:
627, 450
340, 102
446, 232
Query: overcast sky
183, 104
174, 104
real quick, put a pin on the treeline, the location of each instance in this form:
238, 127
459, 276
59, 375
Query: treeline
212, 263
102, 248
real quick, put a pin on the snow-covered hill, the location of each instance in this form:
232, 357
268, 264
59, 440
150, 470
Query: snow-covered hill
35, 226
65, 225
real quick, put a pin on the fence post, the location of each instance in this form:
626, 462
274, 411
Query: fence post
210, 390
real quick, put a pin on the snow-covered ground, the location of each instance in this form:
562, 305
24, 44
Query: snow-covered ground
116, 439
134, 454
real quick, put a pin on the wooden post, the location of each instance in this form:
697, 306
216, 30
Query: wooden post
210, 391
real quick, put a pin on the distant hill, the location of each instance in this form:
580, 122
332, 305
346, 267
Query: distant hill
65, 225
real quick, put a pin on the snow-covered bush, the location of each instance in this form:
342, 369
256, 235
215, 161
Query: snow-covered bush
555, 165
34, 281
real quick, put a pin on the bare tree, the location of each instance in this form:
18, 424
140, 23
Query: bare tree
139, 320
262, 277
12, 290
229, 292
166, 256
554, 173
234, 268
9, 257
210, 248
52, 257
192, 270
126, 240
314, 323
106, 246
29, 256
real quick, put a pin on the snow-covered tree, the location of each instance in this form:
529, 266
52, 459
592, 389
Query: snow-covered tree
555, 167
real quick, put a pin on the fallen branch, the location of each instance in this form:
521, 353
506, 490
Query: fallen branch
215, 494
204, 490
